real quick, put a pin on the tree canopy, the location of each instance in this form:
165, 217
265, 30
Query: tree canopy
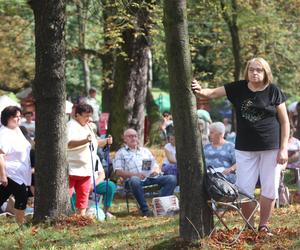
268, 29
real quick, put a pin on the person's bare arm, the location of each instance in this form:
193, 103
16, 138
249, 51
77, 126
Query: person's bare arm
127, 174
171, 158
229, 170
3, 177
282, 156
210, 93
103, 142
74, 144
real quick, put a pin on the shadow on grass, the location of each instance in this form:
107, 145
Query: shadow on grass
71, 236
176, 244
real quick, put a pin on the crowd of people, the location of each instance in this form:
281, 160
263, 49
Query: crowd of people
261, 147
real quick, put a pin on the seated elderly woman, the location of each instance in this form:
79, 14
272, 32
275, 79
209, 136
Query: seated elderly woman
219, 153
170, 164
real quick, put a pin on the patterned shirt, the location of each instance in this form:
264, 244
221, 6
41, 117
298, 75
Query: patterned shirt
135, 161
220, 158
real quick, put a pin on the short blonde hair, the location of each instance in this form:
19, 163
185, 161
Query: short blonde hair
268, 73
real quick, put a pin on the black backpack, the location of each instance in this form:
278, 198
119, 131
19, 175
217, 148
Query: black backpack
218, 187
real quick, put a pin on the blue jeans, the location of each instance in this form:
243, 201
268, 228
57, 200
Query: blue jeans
166, 182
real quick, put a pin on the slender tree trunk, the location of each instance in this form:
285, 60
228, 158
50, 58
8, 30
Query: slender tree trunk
51, 196
194, 210
236, 45
234, 32
154, 118
82, 7
108, 59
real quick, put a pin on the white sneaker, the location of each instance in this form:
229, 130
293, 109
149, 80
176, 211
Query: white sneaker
109, 216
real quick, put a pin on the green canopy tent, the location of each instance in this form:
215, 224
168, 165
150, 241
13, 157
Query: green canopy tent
163, 101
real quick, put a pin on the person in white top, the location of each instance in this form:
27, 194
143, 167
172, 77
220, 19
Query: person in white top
170, 163
15, 169
91, 100
29, 124
82, 148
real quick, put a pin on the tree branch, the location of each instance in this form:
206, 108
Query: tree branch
5, 87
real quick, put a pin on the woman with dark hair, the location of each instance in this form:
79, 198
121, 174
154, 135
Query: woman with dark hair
15, 169
82, 142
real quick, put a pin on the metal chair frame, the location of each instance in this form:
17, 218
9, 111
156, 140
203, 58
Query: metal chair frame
151, 190
236, 206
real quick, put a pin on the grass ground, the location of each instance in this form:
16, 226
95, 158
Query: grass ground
131, 231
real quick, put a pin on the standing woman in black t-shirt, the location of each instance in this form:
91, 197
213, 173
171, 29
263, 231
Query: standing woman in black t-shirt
262, 133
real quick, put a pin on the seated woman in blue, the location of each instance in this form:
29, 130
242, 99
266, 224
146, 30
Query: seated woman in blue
219, 153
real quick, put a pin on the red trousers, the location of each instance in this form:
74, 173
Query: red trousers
82, 185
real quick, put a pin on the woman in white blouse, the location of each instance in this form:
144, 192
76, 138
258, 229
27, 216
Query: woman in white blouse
15, 169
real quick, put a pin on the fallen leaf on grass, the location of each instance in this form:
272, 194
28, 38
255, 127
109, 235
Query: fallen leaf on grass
34, 230
261, 239
74, 220
21, 243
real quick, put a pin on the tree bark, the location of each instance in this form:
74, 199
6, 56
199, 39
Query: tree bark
130, 80
154, 118
51, 181
108, 57
82, 7
236, 45
194, 210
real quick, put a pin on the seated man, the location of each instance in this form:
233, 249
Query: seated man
138, 166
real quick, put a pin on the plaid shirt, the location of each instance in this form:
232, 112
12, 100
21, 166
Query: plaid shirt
130, 160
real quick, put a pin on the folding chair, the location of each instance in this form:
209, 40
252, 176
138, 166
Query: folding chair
221, 208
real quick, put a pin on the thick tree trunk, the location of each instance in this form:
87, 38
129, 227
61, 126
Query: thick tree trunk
194, 210
130, 80
51, 196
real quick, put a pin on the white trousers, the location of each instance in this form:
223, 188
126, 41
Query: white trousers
252, 165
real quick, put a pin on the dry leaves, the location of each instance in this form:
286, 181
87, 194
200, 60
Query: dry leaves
74, 220
222, 239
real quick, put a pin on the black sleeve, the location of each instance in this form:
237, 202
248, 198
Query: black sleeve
278, 96
232, 90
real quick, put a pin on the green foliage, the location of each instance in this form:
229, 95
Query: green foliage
267, 28
93, 41
16, 43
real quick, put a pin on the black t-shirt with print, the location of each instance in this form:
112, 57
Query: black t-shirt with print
258, 127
